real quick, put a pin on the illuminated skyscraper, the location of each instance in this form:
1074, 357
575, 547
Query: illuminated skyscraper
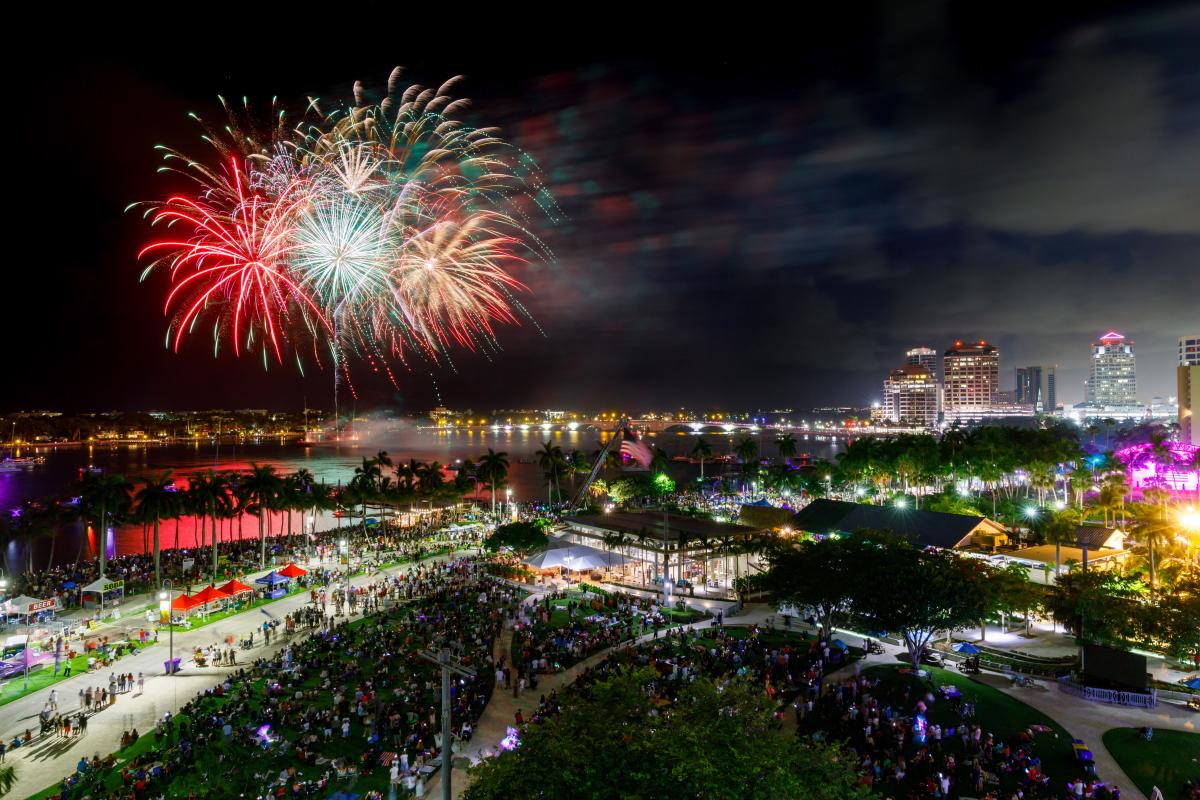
1189, 387
910, 395
924, 357
1112, 377
1036, 387
971, 378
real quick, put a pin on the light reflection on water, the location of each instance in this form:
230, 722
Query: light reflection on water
331, 463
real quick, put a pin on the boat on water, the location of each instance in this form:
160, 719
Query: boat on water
11, 463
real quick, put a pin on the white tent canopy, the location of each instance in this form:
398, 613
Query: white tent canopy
574, 557
103, 584
26, 605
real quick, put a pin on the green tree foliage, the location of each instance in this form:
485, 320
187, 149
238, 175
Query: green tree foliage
716, 742
917, 593
821, 575
523, 537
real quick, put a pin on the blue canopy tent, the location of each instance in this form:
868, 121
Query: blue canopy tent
273, 578
966, 648
839, 644
1193, 683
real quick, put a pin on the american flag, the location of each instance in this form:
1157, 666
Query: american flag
635, 449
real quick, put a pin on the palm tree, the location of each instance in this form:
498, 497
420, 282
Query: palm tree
1153, 526
304, 485
367, 479
659, 461
702, 450
493, 468
210, 493
109, 495
786, 444
157, 500
746, 450
577, 462
551, 459
430, 477
262, 485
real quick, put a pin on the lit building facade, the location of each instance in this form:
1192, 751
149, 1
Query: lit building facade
1112, 379
971, 379
1035, 387
1189, 387
910, 395
924, 357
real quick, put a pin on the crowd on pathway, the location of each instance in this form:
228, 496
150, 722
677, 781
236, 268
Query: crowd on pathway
593, 623
353, 699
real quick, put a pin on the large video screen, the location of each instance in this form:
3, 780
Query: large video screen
1113, 669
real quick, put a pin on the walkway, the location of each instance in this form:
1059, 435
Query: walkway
48, 761
502, 708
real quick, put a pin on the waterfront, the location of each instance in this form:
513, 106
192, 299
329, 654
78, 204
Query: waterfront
332, 463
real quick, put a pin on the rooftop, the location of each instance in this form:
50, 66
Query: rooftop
631, 522
923, 528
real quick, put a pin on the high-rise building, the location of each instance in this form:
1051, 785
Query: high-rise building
910, 395
1036, 387
924, 357
1112, 377
1189, 351
970, 380
1189, 388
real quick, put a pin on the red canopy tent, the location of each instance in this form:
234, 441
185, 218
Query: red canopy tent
292, 571
209, 595
184, 602
235, 587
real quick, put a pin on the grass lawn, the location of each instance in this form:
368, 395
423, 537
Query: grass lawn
1165, 761
43, 676
997, 713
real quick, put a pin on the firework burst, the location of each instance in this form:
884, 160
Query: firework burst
367, 231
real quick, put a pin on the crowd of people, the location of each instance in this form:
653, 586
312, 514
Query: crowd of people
190, 565
903, 752
562, 629
354, 698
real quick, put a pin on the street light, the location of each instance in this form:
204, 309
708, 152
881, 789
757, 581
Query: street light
1031, 512
344, 547
901, 502
164, 611
1059, 505
1189, 520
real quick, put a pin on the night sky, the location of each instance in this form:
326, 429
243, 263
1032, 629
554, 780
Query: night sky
752, 219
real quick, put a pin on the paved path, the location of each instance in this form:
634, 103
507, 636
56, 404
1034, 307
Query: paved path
48, 761
502, 708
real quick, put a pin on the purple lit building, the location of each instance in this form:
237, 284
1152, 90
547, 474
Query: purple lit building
1147, 472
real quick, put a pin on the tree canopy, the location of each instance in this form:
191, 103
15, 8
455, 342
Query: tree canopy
717, 742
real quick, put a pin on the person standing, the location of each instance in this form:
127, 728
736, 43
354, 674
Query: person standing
54, 699
141, 684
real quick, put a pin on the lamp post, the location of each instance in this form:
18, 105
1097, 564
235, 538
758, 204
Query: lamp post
3, 588
344, 547
448, 663
164, 609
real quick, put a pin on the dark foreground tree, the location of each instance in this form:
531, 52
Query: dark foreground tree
717, 742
